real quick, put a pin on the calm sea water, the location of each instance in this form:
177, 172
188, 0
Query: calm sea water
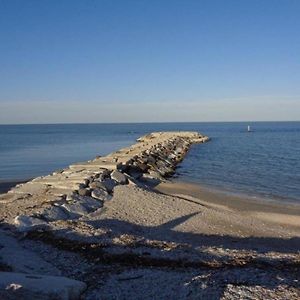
263, 163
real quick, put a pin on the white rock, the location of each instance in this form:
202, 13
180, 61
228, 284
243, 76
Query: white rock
26, 223
76, 208
12, 254
87, 201
49, 287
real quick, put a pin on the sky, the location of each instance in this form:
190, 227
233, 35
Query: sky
149, 61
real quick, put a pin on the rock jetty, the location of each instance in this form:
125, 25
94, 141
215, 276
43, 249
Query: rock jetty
82, 190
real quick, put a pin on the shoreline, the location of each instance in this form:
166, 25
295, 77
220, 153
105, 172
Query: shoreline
284, 213
6, 185
214, 194
228, 191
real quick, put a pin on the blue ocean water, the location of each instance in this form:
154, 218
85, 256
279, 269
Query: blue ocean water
262, 163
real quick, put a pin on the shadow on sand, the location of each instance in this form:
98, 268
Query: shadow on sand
259, 261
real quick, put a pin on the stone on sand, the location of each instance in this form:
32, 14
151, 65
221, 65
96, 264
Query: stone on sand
25, 286
26, 223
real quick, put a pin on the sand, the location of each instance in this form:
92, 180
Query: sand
285, 213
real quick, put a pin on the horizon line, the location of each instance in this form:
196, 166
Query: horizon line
148, 122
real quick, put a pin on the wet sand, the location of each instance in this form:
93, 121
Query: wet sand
285, 213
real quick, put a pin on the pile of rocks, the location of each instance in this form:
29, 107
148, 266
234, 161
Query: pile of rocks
83, 188
88, 198
157, 162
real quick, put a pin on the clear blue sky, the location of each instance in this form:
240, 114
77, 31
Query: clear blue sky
108, 61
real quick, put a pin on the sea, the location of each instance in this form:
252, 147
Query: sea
263, 163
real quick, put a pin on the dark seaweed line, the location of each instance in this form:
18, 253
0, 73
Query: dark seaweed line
97, 254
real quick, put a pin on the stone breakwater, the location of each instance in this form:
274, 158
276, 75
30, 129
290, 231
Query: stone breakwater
83, 188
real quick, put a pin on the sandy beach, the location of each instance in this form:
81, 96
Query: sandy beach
131, 233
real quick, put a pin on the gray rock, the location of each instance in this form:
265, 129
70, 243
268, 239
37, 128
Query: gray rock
121, 167
55, 213
81, 205
76, 208
154, 174
84, 192
110, 184
119, 177
82, 185
151, 159
97, 185
23, 286
134, 172
103, 174
101, 194
142, 166
91, 204
26, 223
79, 198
